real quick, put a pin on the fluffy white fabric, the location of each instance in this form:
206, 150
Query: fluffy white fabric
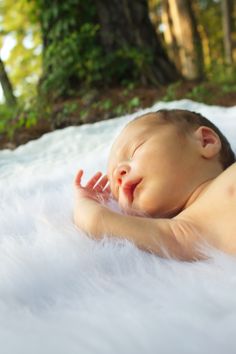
61, 292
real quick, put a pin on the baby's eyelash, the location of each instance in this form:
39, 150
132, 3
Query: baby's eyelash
136, 150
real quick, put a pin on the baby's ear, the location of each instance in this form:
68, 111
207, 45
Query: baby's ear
208, 141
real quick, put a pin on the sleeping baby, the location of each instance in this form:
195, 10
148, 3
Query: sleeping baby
173, 175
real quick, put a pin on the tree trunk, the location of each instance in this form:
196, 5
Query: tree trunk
100, 43
126, 24
188, 39
6, 86
226, 20
169, 35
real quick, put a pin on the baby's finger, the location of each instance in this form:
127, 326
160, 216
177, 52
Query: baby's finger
78, 178
101, 184
107, 189
91, 183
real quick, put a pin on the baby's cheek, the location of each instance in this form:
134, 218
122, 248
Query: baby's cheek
147, 202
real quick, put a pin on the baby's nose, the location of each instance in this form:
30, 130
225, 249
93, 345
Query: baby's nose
120, 172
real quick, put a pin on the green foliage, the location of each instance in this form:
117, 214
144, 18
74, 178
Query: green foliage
68, 35
12, 119
228, 87
210, 22
83, 114
170, 94
127, 107
18, 26
200, 93
73, 55
22, 117
27, 119
7, 115
67, 110
124, 65
223, 76
129, 86
106, 104
119, 110
134, 103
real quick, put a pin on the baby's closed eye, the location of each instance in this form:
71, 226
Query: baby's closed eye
136, 149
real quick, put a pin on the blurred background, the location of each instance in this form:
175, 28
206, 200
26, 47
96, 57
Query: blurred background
72, 62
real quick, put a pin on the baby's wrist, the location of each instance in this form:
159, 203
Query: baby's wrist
87, 215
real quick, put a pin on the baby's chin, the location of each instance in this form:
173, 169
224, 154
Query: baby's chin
134, 211
149, 210
145, 209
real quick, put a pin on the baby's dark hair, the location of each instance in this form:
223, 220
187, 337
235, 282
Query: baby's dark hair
187, 121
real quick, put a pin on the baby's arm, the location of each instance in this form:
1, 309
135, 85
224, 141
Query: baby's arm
160, 236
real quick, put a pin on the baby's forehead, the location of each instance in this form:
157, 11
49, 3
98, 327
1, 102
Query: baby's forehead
141, 124
146, 119
131, 133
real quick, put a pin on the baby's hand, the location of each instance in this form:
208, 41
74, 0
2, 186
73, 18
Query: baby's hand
97, 188
89, 200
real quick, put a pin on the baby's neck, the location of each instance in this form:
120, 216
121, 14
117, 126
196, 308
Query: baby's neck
200, 190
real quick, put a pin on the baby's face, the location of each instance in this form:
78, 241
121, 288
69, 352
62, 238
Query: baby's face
149, 166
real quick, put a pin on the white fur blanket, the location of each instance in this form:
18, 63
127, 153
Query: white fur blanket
63, 293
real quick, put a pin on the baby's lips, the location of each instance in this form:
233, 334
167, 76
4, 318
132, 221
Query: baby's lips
130, 187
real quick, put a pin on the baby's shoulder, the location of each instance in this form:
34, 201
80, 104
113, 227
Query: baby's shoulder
227, 180
222, 187
219, 195
229, 172
213, 213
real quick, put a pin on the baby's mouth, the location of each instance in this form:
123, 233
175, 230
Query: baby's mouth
129, 189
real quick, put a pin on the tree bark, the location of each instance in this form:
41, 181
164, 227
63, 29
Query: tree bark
126, 24
169, 35
188, 39
7, 86
226, 21
100, 43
